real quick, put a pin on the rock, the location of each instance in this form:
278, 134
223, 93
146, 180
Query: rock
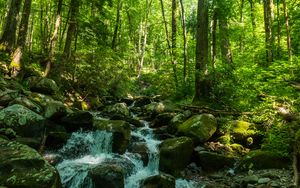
55, 110
31, 142
121, 133
225, 139
78, 120
162, 119
108, 176
124, 163
211, 161
56, 140
22, 120
252, 179
199, 127
42, 85
8, 132
159, 181
24, 101
40, 99
118, 108
154, 108
263, 180
22, 166
141, 101
141, 149
259, 159
7, 95
177, 120
242, 130
175, 154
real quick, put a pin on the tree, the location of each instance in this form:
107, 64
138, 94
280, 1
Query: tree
23, 28
288, 34
8, 38
201, 87
185, 46
269, 18
74, 8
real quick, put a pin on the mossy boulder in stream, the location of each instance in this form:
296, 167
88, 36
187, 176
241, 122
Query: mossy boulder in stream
159, 181
199, 127
107, 175
121, 133
175, 154
55, 110
22, 166
119, 109
22, 120
78, 120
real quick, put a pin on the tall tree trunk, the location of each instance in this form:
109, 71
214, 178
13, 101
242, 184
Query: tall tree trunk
242, 25
269, 17
252, 13
174, 36
225, 43
8, 38
23, 28
113, 43
53, 39
185, 46
74, 8
165, 23
201, 88
289, 41
278, 29
214, 23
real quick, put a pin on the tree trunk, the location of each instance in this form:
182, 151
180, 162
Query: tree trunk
242, 26
74, 8
289, 42
165, 23
269, 17
214, 22
53, 39
118, 18
8, 38
252, 13
201, 88
278, 30
185, 46
225, 43
16, 65
174, 34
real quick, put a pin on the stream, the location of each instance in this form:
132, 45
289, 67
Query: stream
86, 150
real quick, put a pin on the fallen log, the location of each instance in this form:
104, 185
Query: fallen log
202, 109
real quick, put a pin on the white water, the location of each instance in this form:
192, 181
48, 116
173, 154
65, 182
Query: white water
85, 150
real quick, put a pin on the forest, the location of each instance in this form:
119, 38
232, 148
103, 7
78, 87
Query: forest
149, 93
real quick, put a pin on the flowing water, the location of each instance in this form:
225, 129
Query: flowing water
86, 150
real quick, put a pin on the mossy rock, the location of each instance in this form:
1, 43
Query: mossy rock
55, 110
24, 101
259, 159
119, 109
78, 120
42, 85
199, 127
211, 161
159, 181
121, 133
22, 166
225, 139
242, 130
7, 95
22, 120
175, 154
107, 175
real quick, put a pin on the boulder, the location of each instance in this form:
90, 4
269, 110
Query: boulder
78, 120
40, 99
121, 131
42, 85
142, 101
199, 127
24, 101
162, 119
55, 110
141, 149
22, 166
242, 130
56, 140
211, 161
117, 109
159, 181
154, 108
259, 159
7, 95
175, 154
107, 175
22, 120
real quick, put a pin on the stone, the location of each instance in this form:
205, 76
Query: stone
175, 154
141, 149
7, 95
199, 127
107, 175
22, 120
78, 120
24, 101
253, 179
22, 166
121, 131
263, 180
118, 108
55, 110
154, 108
260, 159
177, 120
242, 132
42, 85
162, 119
56, 140
211, 161
159, 181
